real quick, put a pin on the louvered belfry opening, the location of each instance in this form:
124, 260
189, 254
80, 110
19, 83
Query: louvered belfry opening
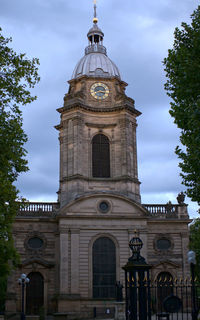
100, 156
104, 268
35, 293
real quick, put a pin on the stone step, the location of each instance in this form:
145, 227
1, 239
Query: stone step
32, 317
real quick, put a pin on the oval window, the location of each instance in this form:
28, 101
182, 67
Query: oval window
163, 244
35, 243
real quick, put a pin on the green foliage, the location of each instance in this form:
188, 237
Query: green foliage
17, 74
195, 244
182, 68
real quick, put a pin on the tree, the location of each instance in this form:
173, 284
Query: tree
182, 67
17, 75
195, 244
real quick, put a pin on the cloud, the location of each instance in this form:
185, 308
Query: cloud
137, 36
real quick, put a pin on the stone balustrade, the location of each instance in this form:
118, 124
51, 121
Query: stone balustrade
35, 209
162, 210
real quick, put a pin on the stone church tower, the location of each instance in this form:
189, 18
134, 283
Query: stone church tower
98, 129
73, 251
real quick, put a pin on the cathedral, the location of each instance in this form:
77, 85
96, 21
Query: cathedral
73, 250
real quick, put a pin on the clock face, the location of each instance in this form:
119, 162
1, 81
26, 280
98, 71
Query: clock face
99, 91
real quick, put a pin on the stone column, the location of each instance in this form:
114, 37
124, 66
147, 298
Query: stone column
64, 259
75, 238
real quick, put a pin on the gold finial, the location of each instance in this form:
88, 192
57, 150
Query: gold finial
95, 20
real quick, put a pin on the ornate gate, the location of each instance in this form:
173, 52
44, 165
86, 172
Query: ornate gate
165, 298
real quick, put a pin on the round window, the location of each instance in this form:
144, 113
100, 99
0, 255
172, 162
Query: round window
104, 206
163, 244
35, 243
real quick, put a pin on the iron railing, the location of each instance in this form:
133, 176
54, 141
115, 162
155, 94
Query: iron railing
170, 299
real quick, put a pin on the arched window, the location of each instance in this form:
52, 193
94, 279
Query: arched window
104, 268
35, 293
100, 156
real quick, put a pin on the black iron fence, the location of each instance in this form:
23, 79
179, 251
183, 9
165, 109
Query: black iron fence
163, 299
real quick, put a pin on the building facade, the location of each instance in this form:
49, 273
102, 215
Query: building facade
73, 250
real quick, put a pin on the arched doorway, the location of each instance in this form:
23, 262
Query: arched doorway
35, 293
164, 288
104, 268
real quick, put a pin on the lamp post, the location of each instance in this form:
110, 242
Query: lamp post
192, 262
137, 283
23, 280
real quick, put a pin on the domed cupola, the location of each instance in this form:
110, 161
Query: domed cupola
95, 63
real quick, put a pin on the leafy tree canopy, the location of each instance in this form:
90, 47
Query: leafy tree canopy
182, 68
195, 244
17, 76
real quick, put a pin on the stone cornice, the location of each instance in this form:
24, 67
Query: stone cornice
84, 77
167, 220
114, 179
79, 105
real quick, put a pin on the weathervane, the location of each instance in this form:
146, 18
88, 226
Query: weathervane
95, 20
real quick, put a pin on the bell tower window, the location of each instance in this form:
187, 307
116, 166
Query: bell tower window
100, 156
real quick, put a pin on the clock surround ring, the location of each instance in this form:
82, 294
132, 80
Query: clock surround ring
99, 90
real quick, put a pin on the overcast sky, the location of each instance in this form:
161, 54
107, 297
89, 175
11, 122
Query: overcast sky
138, 34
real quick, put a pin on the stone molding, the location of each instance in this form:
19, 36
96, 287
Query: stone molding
80, 105
37, 260
102, 126
63, 229
74, 231
122, 178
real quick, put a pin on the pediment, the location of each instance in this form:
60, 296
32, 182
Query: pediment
39, 261
91, 205
166, 264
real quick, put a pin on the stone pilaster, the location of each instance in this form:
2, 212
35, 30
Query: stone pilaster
75, 236
122, 123
70, 161
185, 249
64, 152
135, 173
64, 259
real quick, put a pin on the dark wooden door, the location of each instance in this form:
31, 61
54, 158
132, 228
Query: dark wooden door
35, 293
